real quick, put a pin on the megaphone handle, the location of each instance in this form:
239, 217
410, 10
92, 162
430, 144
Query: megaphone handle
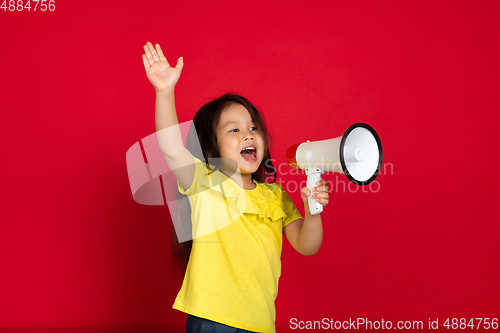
313, 176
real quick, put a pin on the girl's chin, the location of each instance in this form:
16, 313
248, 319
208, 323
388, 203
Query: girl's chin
249, 169
243, 169
246, 167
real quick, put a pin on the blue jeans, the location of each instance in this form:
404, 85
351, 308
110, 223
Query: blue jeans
201, 325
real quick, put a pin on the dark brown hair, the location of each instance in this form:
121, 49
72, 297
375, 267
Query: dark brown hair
203, 137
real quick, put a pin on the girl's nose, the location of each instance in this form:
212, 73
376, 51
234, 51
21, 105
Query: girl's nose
248, 136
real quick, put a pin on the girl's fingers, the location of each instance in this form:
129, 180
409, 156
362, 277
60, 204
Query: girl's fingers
160, 53
322, 188
145, 61
156, 55
321, 195
322, 182
180, 63
153, 52
323, 202
149, 56
322, 198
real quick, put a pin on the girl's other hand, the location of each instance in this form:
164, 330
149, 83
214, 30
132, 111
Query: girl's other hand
320, 193
158, 70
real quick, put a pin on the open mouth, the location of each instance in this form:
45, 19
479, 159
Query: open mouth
249, 154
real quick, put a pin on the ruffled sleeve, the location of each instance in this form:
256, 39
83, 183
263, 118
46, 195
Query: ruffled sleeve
290, 209
200, 173
266, 210
273, 203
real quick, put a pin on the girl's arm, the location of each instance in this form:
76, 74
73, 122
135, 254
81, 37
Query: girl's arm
306, 235
164, 78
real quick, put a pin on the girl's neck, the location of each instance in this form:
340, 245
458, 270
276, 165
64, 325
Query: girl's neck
243, 181
248, 183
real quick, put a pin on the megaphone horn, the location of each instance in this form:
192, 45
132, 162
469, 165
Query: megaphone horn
357, 154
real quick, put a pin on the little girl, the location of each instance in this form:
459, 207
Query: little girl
231, 279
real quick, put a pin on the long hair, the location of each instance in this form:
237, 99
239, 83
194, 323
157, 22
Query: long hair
203, 137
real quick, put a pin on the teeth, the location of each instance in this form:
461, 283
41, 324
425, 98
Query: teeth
249, 148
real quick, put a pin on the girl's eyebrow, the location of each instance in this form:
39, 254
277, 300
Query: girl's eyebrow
231, 122
234, 122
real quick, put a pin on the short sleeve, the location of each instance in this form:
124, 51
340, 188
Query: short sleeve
291, 211
200, 170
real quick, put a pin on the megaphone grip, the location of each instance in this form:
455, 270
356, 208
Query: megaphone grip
313, 176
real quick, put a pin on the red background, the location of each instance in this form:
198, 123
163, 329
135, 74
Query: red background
78, 254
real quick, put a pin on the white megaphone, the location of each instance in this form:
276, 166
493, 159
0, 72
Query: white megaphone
357, 154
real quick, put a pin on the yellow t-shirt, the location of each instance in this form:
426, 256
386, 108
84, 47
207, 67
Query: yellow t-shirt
233, 271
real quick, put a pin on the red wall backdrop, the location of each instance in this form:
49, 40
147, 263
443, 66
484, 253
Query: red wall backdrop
78, 254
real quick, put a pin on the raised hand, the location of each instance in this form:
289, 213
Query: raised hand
158, 70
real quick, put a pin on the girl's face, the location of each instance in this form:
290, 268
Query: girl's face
240, 139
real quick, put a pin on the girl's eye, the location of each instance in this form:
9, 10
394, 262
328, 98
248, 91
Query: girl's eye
237, 130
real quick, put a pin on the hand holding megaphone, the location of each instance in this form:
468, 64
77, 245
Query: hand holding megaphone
321, 196
357, 154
